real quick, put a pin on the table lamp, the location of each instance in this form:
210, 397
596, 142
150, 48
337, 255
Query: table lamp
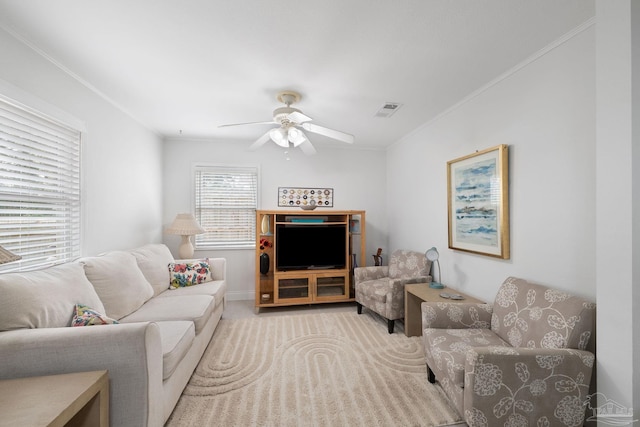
433, 256
186, 226
6, 256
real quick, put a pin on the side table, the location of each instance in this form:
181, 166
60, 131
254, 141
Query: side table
415, 294
76, 399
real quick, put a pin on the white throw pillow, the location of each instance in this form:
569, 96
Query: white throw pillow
44, 298
118, 282
153, 260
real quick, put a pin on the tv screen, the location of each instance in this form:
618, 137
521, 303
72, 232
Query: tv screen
316, 246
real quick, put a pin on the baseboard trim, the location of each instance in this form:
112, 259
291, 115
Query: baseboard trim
241, 295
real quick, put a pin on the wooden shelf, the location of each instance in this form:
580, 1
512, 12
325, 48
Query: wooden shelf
307, 286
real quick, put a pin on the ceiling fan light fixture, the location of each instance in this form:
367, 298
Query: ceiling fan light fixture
292, 122
279, 136
296, 136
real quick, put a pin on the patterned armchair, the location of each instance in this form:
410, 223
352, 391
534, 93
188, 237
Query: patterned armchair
381, 289
522, 361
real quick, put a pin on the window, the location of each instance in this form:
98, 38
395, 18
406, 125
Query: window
39, 188
226, 199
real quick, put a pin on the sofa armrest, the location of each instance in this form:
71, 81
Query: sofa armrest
132, 353
363, 274
218, 268
456, 315
542, 386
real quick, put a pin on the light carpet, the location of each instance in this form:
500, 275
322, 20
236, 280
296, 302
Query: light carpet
326, 369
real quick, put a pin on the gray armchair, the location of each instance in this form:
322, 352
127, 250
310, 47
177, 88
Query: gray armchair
521, 361
381, 288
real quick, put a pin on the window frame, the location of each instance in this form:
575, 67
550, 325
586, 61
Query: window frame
247, 245
33, 106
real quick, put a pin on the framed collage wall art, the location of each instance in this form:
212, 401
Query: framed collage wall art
478, 202
305, 197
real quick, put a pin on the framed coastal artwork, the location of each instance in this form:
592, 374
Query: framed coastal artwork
478, 202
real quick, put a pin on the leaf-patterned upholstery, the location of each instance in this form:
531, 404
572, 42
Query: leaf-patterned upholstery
521, 361
381, 288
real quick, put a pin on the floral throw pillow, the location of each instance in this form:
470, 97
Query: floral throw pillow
188, 274
85, 316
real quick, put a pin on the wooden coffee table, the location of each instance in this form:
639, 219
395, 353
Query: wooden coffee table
415, 294
77, 399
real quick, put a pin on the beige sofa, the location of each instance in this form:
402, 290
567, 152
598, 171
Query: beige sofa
525, 360
150, 354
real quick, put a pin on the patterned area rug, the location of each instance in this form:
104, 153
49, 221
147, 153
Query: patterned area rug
327, 369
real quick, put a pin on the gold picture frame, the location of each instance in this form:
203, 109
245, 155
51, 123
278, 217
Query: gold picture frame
478, 202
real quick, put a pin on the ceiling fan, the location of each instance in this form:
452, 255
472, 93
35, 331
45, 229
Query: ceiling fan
292, 121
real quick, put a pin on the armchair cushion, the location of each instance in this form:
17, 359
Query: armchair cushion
530, 315
405, 264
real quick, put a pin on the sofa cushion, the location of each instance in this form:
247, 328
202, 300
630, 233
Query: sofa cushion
176, 338
216, 289
86, 316
405, 264
535, 316
188, 274
44, 298
448, 349
153, 260
118, 281
196, 308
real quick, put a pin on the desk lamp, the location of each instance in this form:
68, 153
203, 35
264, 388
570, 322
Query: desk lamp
433, 256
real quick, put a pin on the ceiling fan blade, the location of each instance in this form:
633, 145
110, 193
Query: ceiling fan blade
260, 142
249, 123
299, 117
307, 147
331, 133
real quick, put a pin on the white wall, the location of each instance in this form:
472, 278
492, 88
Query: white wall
618, 161
357, 177
121, 160
545, 112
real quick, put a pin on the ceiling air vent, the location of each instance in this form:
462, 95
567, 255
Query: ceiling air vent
388, 109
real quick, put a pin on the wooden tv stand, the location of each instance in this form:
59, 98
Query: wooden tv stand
307, 286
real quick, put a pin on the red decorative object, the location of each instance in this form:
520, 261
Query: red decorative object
264, 243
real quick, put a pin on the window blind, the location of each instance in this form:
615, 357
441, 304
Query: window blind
39, 188
226, 200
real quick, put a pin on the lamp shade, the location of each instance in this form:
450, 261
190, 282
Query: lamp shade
432, 254
6, 256
185, 224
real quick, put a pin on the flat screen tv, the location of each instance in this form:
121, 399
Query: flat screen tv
312, 246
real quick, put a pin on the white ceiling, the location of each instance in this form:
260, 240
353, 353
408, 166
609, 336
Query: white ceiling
194, 65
